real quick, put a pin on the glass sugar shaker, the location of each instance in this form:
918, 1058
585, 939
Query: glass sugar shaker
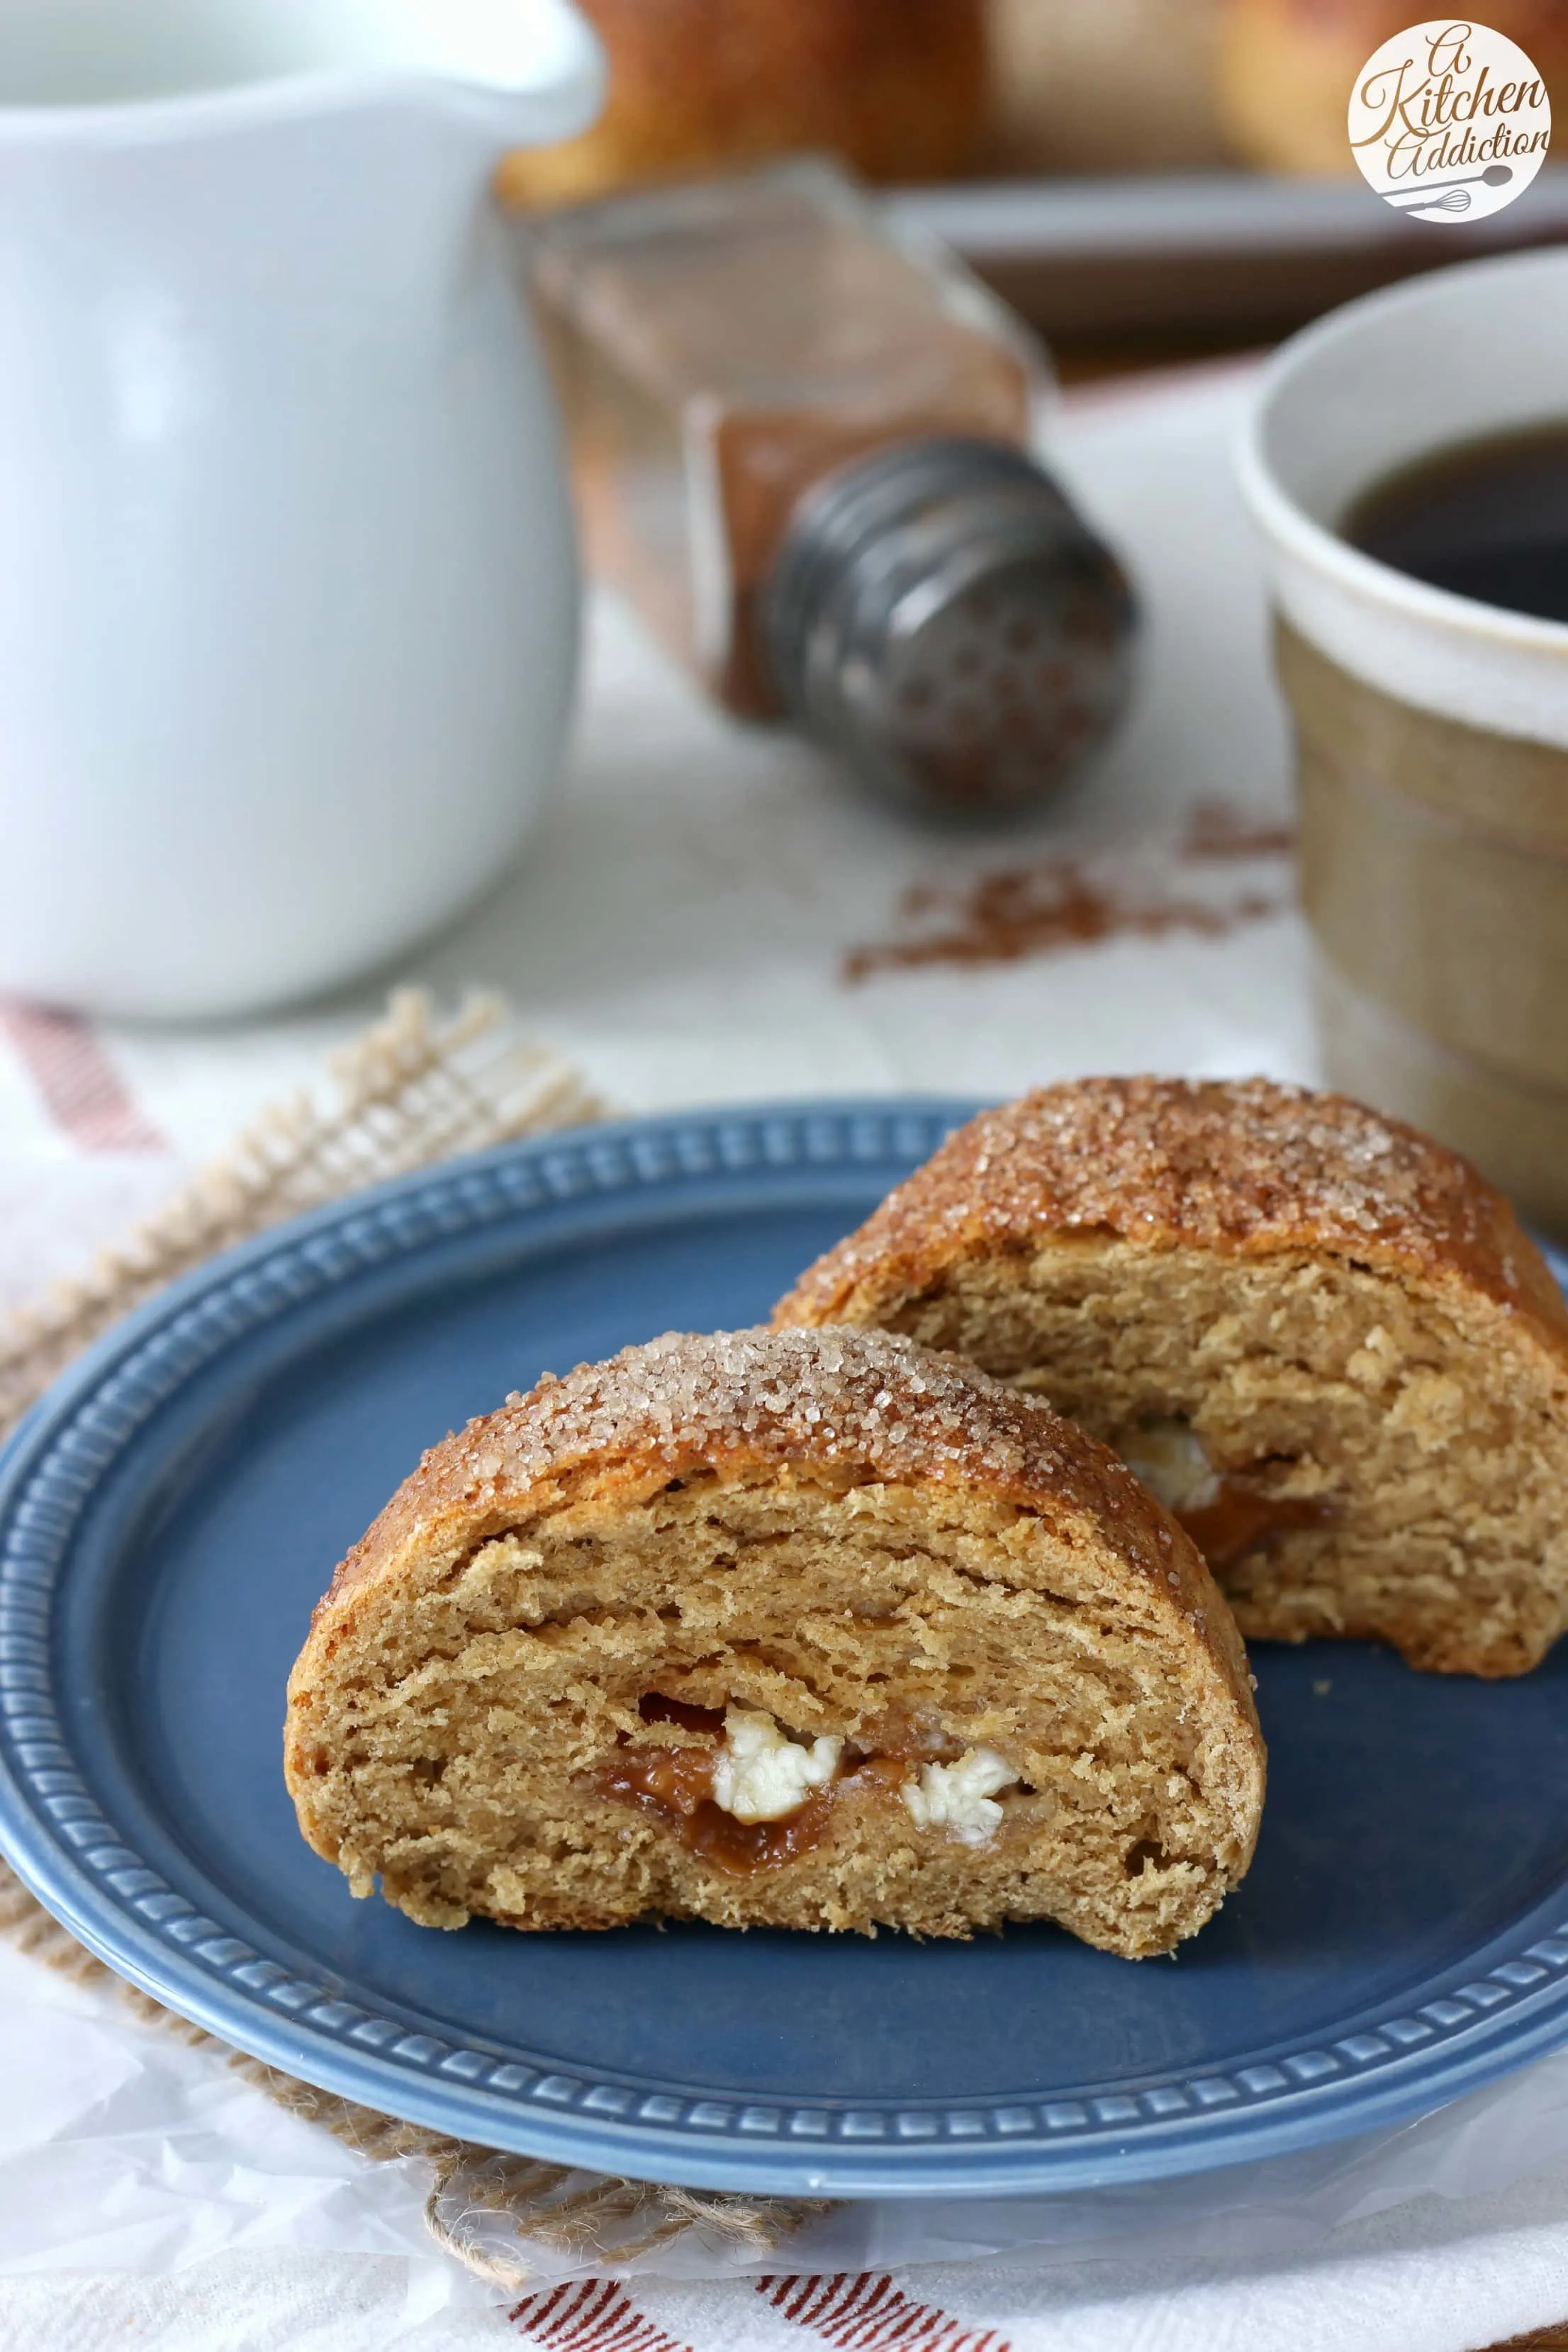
800, 442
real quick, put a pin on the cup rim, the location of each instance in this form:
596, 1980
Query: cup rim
1283, 520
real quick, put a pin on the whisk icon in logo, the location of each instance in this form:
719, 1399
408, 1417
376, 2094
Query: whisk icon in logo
1449, 121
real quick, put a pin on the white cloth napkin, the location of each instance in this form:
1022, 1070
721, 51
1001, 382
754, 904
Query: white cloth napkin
679, 929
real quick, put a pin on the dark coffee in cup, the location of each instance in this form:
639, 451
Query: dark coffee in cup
1485, 518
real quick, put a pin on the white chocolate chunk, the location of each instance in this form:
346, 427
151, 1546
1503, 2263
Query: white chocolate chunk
760, 1776
959, 1797
1167, 1456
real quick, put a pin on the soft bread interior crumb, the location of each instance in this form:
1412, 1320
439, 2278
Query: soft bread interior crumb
997, 1722
1419, 1428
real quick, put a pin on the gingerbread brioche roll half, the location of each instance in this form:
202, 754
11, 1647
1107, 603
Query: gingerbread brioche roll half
805, 1629
1323, 1339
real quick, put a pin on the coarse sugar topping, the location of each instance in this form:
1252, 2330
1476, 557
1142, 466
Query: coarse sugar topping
858, 1399
861, 1405
1242, 1164
839, 1404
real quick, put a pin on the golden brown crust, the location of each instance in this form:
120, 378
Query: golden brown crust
850, 1404
1243, 1167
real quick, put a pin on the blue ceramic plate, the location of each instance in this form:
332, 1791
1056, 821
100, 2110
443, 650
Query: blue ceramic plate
172, 1510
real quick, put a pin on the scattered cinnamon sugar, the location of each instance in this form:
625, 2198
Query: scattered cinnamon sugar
1216, 829
1039, 910
1057, 903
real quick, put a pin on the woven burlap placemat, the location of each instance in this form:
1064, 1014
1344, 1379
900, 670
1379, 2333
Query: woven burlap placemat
413, 1091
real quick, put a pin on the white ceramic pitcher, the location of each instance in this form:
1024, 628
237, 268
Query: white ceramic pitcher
288, 591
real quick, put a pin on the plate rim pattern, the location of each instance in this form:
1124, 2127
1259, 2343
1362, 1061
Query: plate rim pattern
70, 1853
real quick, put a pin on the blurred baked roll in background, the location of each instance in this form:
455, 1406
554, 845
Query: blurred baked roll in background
1287, 67
896, 89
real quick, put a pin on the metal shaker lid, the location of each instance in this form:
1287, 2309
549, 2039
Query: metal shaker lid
941, 615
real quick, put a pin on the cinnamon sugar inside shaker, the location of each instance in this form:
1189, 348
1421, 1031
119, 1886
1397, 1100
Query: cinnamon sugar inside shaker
800, 446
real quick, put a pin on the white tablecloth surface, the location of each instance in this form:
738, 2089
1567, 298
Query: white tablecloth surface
678, 928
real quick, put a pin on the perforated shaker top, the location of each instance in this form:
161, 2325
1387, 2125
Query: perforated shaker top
941, 616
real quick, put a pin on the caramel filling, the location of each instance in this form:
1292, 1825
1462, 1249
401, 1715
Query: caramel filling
676, 1784
1239, 1519
1227, 1516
